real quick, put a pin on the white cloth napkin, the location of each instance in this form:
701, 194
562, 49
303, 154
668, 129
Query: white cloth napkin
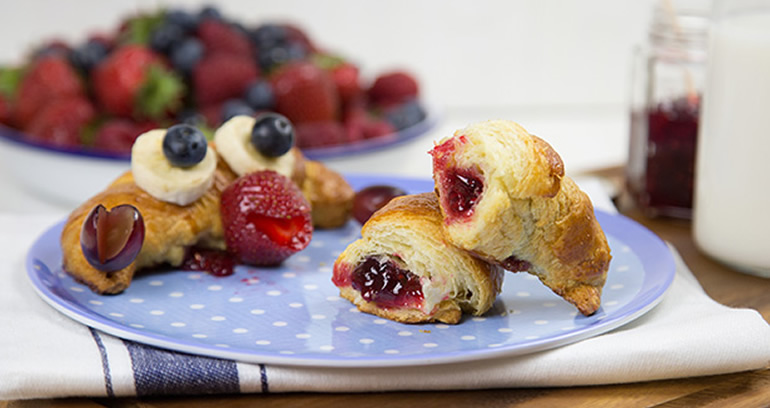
45, 354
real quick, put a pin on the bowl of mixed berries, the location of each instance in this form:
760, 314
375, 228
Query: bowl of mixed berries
69, 114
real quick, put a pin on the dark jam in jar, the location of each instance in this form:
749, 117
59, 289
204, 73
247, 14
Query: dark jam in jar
672, 135
668, 77
661, 170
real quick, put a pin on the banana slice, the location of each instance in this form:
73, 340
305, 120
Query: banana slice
233, 142
155, 174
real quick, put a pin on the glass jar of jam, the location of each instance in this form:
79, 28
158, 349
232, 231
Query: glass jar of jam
668, 77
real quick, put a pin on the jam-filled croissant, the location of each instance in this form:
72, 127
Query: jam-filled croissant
505, 198
404, 269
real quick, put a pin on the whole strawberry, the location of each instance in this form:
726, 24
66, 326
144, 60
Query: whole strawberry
265, 218
5, 110
346, 80
222, 76
48, 78
219, 37
118, 135
305, 93
133, 81
61, 121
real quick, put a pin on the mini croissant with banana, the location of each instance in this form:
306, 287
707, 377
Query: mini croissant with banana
248, 197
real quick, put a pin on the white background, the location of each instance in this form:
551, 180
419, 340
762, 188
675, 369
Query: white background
467, 53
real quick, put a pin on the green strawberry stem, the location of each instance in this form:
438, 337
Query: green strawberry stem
140, 28
9, 81
326, 61
161, 93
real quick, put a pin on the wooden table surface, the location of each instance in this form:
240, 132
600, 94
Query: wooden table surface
723, 284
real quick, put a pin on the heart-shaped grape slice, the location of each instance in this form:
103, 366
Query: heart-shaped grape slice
111, 239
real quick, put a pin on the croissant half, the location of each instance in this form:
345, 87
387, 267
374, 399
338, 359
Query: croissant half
404, 269
505, 198
169, 230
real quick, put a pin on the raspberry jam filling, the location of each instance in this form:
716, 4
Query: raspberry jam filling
460, 188
386, 284
217, 263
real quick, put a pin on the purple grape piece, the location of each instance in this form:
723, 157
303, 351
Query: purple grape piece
371, 199
111, 239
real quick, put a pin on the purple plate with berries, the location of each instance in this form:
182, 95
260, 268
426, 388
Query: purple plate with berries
293, 315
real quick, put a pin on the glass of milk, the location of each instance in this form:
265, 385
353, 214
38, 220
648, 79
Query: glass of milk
731, 210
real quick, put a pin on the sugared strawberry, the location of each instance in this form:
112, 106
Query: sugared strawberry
133, 81
219, 37
49, 77
393, 88
265, 217
305, 93
320, 134
118, 135
62, 121
220, 77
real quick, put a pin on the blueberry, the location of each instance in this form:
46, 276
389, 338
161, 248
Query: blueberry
184, 145
272, 135
165, 38
235, 107
186, 55
279, 54
210, 12
405, 115
259, 95
188, 21
267, 36
53, 49
87, 55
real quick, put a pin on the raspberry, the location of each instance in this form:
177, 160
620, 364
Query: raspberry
266, 218
320, 134
393, 88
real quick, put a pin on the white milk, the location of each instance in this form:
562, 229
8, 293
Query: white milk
732, 190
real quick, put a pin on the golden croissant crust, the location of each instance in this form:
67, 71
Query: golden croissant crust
170, 229
408, 232
529, 216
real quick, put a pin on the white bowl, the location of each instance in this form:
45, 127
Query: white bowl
69, 176
64, 176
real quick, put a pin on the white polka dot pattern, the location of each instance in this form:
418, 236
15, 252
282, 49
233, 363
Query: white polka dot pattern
293, 314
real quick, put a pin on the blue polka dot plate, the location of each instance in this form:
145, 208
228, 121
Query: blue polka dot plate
293, 315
